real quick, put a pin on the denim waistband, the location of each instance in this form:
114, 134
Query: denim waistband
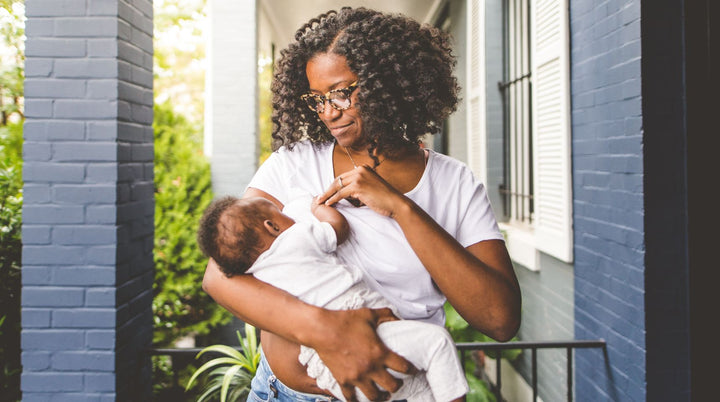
266, 387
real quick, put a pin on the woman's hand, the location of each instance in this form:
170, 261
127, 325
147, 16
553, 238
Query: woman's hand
482, 271
345, 340
365, 185
357, 357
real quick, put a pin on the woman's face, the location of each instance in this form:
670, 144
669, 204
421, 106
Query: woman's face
328, 71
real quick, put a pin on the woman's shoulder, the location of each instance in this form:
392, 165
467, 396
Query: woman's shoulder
444, 165
304, 147
301, 154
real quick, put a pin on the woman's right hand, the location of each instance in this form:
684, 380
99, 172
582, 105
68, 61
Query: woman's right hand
345, 340
367, 187
357, 357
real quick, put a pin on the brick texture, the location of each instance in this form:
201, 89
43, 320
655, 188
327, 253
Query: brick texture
88, 162
608, 198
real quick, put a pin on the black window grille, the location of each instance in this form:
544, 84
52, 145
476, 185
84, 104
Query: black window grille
516, 91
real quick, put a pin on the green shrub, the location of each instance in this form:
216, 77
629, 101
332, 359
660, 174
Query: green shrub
10, 252
182, 192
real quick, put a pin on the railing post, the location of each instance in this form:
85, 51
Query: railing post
534, 374
569, 375
176, 372
498, 376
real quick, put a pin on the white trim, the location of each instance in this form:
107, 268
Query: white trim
475, 100
551, 128
520, 242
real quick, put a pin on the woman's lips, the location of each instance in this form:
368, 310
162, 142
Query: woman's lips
339, 130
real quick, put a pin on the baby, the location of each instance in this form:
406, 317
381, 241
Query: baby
252, 236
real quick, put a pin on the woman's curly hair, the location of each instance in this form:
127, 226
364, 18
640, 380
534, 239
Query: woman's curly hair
406, 86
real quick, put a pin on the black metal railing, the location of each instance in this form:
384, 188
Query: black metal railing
182, 357
496, 387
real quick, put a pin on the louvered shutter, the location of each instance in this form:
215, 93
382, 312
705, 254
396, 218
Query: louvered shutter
477, 158
551, 128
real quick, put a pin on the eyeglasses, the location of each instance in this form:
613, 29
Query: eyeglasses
339, 99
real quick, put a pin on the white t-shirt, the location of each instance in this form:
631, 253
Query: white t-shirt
447, 191
302, 262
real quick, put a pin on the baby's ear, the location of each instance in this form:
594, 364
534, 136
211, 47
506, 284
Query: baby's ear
271, 227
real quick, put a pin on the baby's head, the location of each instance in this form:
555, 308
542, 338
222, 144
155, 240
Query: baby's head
234, 232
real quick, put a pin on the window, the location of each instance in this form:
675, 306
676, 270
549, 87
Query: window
516, 93
527, 87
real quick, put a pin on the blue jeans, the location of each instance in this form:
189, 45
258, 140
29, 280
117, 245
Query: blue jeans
266, 387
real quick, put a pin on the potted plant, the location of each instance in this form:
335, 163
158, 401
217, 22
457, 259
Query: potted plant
228, 376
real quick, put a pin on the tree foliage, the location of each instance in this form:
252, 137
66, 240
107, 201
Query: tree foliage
179, 56
12, 31
11, 116
10, 257
182, 192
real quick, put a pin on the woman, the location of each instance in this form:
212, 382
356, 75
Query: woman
353, 95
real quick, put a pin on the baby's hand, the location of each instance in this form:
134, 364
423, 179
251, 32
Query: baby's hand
326, 213
315, 204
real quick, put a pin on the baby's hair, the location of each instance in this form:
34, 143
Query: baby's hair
227, 234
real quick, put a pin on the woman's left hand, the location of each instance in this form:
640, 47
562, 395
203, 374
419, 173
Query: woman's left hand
366, 186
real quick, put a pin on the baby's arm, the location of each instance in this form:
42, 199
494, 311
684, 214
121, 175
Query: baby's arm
328, 214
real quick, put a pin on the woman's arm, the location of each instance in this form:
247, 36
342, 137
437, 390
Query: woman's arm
345, 340
479, 281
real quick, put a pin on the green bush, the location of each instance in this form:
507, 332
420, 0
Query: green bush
10, 253
182, 192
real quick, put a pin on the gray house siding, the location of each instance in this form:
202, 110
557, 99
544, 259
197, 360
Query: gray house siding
88, 206
547, 314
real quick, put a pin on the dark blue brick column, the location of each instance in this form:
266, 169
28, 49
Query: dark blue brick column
88, 212
607, 145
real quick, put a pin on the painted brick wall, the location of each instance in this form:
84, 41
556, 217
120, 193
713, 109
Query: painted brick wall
88, 208
608, 198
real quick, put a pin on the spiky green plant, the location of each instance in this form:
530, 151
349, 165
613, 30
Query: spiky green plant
229, 376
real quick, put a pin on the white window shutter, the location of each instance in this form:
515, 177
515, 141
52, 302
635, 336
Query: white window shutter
551, 128
476, 140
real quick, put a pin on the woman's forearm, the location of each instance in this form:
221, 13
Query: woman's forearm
345, 340
479, 281
263, 305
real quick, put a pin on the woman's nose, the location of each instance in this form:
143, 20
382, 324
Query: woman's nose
329, 113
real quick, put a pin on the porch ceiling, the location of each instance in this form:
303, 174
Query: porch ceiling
287, 16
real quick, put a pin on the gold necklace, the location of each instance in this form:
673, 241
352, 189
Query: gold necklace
353, 160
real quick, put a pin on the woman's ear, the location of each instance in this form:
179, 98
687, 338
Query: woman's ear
271, 227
